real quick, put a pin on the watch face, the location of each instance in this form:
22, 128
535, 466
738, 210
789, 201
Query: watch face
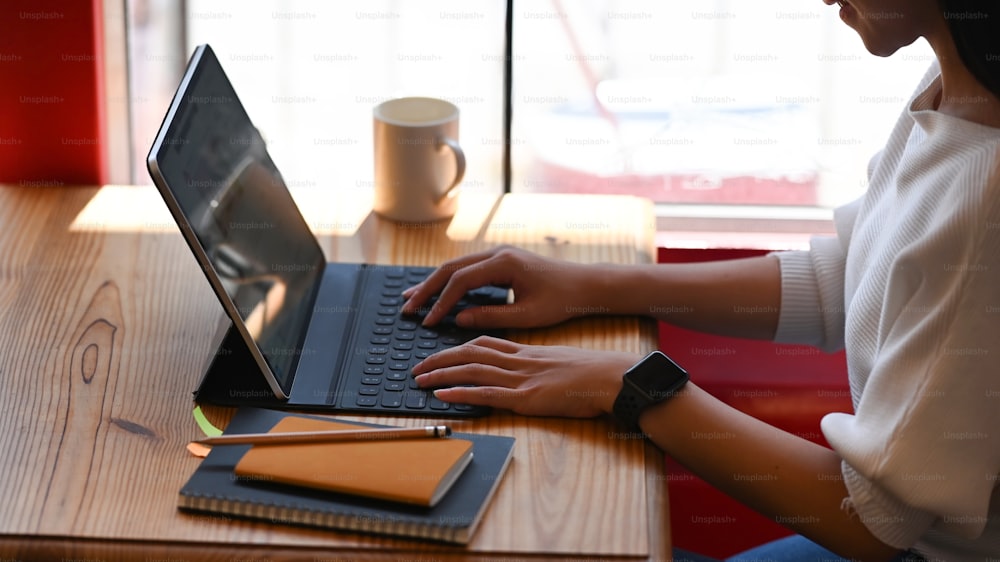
657, 376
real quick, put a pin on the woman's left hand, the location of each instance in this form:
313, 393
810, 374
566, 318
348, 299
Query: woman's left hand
527, 379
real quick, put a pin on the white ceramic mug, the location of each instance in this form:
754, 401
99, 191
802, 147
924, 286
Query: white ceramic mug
418, 161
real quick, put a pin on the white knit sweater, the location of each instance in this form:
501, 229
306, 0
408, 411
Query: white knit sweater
911, 288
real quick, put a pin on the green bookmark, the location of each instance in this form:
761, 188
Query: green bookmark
206, 426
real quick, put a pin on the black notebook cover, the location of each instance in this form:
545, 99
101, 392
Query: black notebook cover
214, 488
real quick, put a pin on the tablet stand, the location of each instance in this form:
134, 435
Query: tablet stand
233, 377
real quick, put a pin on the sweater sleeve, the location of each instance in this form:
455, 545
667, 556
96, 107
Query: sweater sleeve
812, 287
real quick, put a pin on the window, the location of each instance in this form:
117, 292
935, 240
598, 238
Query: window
723, 102
730, 115
309, 73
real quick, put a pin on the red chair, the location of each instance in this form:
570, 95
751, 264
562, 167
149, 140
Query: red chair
788, 386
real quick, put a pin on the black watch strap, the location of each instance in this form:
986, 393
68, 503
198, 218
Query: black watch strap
629, 405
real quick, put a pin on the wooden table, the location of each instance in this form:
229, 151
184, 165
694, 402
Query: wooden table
104, 319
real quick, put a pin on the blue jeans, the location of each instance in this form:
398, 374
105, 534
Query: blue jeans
795, 548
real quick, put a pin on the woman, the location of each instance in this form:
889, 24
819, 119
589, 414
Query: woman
910, 287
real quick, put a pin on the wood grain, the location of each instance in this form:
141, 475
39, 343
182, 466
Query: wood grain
104, 323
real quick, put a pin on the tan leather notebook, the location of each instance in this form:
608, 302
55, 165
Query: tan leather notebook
413, 471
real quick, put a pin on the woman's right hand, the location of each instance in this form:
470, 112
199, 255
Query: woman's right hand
546, 291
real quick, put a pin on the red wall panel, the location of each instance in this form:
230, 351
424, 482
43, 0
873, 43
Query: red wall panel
52, 125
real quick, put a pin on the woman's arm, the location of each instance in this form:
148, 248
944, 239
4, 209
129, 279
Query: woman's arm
789, 479
731, 297
793, 481
735, 297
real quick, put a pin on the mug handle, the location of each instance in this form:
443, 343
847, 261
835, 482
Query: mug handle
459, 163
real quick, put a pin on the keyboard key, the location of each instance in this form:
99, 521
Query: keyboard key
393, 283
381, 340
412, 384
378, 350
394, 386
391, 292
371, 380
369, 390
464, 407
399, 366
382, 330
436, 404
390, 301
428, 335
406, 326
367, 401
405, 336
400, 356
385, 320
392, 399
403, 345
375, 359
451, 340
373, 370
394, 272
427, 344
387, 311
416, 400
424, 354
401, 375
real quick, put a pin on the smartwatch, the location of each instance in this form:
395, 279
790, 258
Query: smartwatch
648, 382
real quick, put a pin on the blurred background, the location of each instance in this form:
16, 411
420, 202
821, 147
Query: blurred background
745, 122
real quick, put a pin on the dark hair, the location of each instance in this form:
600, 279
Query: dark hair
975, 29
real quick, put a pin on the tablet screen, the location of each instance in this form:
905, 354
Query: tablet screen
257, 250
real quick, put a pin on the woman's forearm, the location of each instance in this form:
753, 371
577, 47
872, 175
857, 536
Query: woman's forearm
793, 481
732, 297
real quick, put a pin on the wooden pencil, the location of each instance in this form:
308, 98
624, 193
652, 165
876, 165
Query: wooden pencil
387, 433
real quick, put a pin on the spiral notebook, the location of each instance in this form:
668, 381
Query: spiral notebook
215, 488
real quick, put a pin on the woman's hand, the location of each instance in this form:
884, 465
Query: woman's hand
546, 291
527, 379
